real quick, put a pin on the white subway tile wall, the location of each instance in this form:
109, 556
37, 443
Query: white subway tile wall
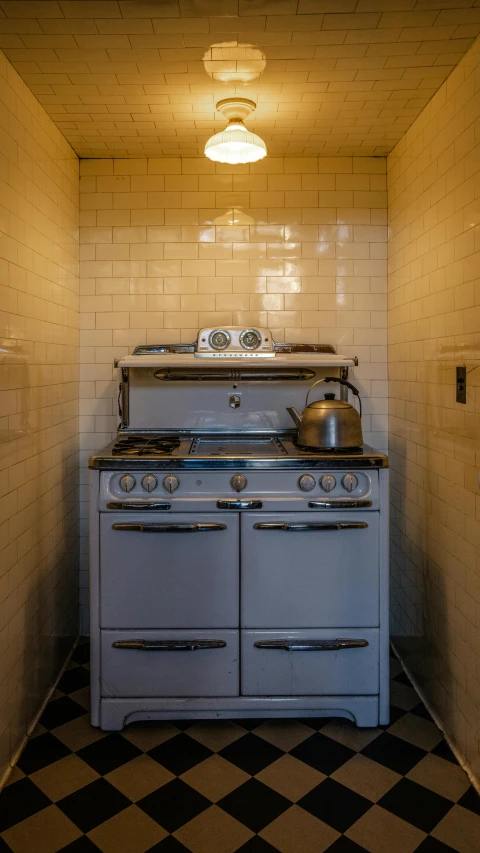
434, 325
39, 321
170, 245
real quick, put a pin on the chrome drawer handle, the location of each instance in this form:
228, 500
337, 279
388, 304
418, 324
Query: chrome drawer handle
311, 645
239, 504
303, 528
339, 504
138, 505
168, 645
170, 528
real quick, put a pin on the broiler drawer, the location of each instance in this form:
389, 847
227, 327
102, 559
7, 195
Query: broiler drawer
302, 570
307, 663
169, 663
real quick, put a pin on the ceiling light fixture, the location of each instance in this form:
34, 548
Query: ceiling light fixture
235, 144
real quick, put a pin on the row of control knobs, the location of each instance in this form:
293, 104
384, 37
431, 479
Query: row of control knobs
149, 482
327, 482
238, 482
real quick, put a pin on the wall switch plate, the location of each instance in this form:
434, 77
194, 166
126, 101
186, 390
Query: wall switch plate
461, 390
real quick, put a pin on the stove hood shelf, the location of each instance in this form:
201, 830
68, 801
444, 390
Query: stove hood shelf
297, 359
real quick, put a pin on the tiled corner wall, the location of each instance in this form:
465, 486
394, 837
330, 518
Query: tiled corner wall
434, 325
170, 245
38, 406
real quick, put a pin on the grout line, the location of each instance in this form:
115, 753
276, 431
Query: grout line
438, 722
18, 752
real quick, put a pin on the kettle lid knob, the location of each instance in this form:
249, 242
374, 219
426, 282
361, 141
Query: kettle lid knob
329, 396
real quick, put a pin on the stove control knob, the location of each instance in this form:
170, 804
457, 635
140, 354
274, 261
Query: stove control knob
328, 482
306, 483
149, 482
171, 482
238, 482
349, 482
127, 482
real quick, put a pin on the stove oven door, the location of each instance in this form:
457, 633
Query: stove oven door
310, 570
176, 571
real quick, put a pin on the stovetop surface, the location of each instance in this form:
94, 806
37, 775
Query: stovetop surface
226, 451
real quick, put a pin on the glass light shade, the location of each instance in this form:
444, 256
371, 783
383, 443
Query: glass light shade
235, 144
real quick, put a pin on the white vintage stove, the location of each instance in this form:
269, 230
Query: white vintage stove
234, 573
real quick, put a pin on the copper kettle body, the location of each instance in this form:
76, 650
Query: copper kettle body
329, 423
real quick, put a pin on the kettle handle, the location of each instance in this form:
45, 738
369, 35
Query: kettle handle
342, 382
354, 390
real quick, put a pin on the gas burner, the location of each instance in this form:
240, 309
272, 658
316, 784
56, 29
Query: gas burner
134, 445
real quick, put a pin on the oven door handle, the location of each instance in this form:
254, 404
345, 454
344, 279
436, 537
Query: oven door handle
138, 505
239, 504
168, 645
298, 527
199, 527
311, 645
339, 504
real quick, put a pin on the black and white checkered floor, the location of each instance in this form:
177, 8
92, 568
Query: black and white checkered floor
250, 786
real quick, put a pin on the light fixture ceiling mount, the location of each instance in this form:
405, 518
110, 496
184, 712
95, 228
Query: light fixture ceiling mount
235, 144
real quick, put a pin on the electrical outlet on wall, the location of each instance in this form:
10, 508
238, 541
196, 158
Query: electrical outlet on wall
461, 389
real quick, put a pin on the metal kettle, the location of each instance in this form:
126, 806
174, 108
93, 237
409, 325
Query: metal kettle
329, 423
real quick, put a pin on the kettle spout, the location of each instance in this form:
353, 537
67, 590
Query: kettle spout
295, 416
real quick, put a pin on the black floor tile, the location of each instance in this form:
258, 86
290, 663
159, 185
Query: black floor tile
109, 753
402, 678
61, 711
93, 804
180, 753
323, 753
257, 845
40, 752
254, 804
316, 723
395, 714
250, 723
431, 845
74, 679
174, 804
82, 653
415, 804
470, 800
20, 800
443, 750
251, 753
168, 845
344, 845
335, 804
80, 845
421, 711
394, 752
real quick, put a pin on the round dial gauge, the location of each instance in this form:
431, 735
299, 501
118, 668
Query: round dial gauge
219, 339
250, 339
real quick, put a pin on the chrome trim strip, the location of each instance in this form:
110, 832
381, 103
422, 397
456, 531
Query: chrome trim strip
168, 645
302, 528
355, 504
310, 645
236, 374
239, 504
138, 505
125, 391
203, 527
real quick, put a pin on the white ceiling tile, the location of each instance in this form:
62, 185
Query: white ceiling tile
132, 78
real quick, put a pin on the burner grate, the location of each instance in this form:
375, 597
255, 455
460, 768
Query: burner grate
133, 445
